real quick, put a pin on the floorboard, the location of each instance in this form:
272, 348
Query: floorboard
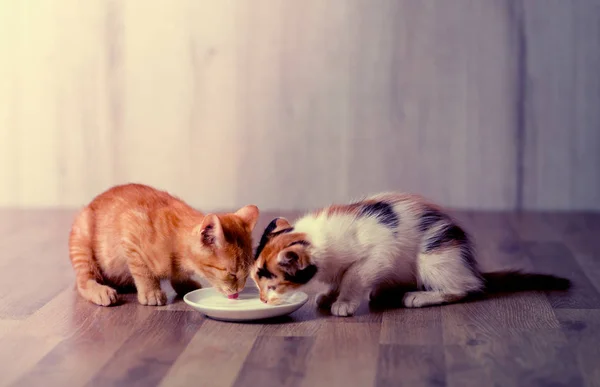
214, 356
50, 336
555, 258
411, 365
276, 360
147, 355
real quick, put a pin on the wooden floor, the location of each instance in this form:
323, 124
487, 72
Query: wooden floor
51, 337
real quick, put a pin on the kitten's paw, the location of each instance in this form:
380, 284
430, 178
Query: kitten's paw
344, 308
152, 297
325, 299
413, 300
102, 295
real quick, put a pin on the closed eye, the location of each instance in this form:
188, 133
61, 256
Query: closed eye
216, 267
271, 287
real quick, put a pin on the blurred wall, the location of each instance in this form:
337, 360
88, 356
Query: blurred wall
297, 103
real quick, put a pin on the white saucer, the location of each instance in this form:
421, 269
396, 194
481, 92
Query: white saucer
246, 307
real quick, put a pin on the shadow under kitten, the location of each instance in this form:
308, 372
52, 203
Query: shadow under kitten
497, 283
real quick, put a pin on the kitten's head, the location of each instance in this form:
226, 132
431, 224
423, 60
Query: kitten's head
226, 248
283, 262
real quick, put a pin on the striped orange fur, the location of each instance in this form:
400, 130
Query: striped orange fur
135, 235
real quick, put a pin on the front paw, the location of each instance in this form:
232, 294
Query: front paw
413, 300
152, 297
344, 308
103, 295
325, 299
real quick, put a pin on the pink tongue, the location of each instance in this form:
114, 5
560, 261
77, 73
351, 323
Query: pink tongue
233, 296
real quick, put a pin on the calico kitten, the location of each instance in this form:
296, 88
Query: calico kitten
136, 235
382, 243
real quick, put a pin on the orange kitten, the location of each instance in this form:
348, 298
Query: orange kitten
136, 235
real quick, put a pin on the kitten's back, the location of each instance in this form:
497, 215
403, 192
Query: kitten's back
133, 196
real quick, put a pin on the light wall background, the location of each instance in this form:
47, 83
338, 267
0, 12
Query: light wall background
488, 104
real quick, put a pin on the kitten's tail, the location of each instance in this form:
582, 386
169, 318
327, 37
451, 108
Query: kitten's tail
81, 251
516, 281
87, 272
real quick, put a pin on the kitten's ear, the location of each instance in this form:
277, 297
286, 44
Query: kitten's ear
288, 258
278, 224
249, 214
293, 258
211, 231
296, 265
